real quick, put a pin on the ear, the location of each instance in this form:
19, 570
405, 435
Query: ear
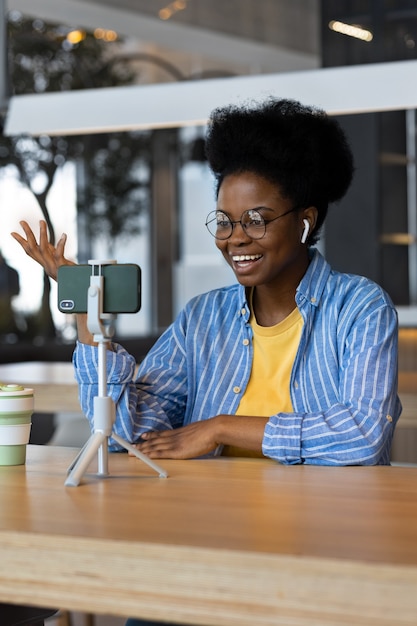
309, 220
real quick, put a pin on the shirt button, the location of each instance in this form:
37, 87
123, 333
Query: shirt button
243, 311
389, 418
296, 385
245, 342
313, 300
236, 389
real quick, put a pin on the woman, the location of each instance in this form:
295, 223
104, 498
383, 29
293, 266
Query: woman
296, 362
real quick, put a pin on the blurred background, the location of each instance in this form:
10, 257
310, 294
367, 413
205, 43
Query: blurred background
141, 196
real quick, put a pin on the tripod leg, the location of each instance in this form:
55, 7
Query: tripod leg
84, 458
162, 473
75, 461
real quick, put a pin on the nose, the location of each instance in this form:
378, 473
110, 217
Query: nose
239, 234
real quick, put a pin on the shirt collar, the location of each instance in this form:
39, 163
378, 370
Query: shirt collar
313, 282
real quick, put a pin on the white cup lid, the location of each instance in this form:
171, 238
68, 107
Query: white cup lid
14, 389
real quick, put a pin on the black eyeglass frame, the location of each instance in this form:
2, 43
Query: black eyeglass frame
243, 225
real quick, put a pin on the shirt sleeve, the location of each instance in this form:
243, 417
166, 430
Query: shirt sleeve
154, 399
357, 428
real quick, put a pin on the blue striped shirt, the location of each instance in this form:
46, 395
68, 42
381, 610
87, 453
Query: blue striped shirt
343, 383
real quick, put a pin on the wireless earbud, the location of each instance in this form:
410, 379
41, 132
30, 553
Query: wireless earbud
305, 231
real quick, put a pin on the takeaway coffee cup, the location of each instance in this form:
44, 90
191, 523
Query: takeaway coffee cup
16, 408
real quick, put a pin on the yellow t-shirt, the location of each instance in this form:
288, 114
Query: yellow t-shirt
268, 390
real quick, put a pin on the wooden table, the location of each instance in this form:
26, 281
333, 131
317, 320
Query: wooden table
53, 383
218, 542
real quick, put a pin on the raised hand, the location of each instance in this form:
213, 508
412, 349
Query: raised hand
49, 256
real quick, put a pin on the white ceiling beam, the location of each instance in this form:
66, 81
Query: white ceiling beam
341, 90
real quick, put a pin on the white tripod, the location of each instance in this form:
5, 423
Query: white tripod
101, 325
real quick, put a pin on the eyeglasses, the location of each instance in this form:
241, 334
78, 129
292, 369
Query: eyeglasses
252, 221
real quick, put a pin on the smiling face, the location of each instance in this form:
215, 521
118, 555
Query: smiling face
279, 259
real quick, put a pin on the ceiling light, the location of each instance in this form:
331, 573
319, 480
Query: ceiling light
165, 14
75, 36
107, 35
173, 7
351, 30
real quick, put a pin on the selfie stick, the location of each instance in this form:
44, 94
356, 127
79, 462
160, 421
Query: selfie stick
101, 325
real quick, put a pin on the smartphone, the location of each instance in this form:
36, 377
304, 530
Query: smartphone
122, 287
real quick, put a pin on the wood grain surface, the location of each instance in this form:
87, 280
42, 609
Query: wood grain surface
218, 542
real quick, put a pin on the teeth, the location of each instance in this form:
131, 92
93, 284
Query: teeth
246, 257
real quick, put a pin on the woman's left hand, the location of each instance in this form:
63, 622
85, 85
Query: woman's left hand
188, 442
200, 438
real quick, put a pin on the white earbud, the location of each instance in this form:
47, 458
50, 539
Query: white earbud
305, 231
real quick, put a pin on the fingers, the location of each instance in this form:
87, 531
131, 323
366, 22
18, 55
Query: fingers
156, 434
156, 440
29, 243
19, 239
47, 255
43, 234
159, 444
60, 246
187, 442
